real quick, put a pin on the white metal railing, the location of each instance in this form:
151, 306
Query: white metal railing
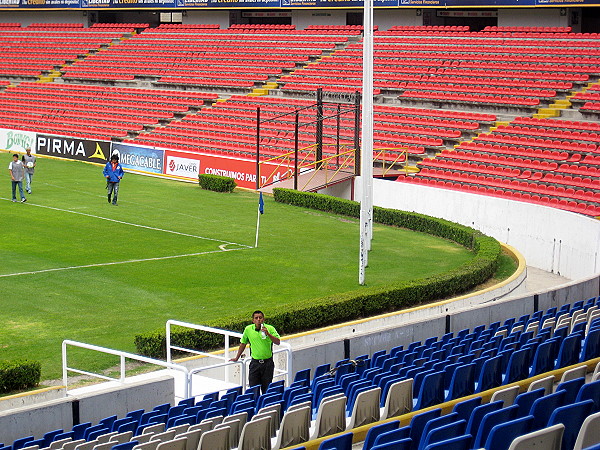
123, 356
225, 357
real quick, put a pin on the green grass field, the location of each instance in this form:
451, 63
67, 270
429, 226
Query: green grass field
75, 267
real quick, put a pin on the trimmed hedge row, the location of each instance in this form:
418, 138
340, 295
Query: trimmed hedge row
216, 183
19, 374
367, 301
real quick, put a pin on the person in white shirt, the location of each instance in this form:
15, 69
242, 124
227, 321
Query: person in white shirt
16, 171
29, 162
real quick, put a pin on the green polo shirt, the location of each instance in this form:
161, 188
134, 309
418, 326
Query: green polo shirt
259, 348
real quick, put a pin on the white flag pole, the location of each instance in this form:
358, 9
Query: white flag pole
257, 227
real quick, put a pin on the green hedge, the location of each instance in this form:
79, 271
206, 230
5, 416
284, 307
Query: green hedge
19, 374
216, 183
366, 301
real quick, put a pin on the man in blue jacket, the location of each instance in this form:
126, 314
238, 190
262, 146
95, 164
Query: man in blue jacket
113, 173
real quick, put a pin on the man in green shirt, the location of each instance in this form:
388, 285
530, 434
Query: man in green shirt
261, 338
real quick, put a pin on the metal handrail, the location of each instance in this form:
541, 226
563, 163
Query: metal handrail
226, 333
381, 153
283, 347
122, 355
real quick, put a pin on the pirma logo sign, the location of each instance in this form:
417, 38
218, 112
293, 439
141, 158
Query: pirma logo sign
182, 167
72, 148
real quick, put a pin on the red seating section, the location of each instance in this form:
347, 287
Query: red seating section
93, 112
545, 161
210, 58
230, 127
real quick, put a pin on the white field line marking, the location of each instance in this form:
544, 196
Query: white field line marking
134, 224
158, 258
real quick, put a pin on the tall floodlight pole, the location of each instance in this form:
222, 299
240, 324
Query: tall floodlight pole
366, 202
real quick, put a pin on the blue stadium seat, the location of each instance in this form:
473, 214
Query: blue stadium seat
129, 426
403, 444
163, 408
147, 416
462, 382
490, 420
418, 422
181, 420
303, 375
191, 401
591, 346
457, 443
212, 396
49, 437
572, 417
377, 430
95, 432
569, 352
525, 401
65, 435
465, 408
117, 423
79, 430
341, 442
590, 391
431, 391
518, 367
477, 416
543, 407
399, 434
135, 415
543, 359
443, 433
175, 411
503, 434
437, 422
571, 388
22, 442
490, 376
161, 418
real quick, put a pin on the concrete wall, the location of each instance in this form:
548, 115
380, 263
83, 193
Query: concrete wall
303, 19
539, 17
219, 17
35, 420
387, 18
550, 239
26, 18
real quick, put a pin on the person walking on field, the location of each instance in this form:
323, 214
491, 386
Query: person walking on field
16, 171
29, 162
261, 338
113, 172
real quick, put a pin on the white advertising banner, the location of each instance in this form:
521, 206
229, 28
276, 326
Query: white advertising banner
17, 140
182, 167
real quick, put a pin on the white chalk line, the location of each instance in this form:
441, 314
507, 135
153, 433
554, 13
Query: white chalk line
114, 263
133, 224
222, 247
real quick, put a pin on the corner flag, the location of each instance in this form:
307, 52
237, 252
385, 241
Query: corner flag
261, 210
261, 204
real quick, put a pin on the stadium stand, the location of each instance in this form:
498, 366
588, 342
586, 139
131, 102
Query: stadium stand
462, 107
442, 372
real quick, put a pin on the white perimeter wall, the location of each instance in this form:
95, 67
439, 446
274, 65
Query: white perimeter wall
550, 239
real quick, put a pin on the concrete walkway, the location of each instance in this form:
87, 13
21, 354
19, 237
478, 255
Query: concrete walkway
538, 280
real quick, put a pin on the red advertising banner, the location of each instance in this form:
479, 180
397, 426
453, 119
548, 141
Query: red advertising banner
188, 165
